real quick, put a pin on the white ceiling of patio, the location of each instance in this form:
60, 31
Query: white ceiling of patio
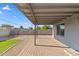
48, 13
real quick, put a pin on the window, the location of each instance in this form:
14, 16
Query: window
60, 29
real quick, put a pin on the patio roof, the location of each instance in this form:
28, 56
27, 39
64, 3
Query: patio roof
48, 13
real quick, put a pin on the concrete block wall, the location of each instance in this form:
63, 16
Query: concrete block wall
31, 32
4, 32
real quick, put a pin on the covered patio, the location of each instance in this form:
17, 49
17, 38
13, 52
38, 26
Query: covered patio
46, 46
55, 14
48, 13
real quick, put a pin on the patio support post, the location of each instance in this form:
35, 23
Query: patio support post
37, 30
54, 30
35, 35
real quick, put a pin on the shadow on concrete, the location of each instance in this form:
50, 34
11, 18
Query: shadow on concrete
52, 46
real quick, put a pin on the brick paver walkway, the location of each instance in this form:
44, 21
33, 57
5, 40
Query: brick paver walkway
46, 46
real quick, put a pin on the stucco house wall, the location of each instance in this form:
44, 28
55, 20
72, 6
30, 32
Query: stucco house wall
72, 32
71, 37
58, 37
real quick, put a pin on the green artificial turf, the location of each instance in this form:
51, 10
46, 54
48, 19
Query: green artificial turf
4, 45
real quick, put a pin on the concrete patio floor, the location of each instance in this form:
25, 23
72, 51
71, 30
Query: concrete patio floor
46, 46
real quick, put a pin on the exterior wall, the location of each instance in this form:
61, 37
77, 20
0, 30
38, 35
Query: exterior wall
53, 30
45, 32
71, 37
13, 31
58, 37
72, 32
4, 32
31, 32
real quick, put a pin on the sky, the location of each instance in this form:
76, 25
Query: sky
10, 14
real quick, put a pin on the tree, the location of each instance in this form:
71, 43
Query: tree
39, 28
45, 27
21, 27
30, 28
6, 25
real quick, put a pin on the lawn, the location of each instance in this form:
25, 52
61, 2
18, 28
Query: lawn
4, 45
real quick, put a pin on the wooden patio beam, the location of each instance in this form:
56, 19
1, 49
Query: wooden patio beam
32, 12
51, 16
55, 12
51, 7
